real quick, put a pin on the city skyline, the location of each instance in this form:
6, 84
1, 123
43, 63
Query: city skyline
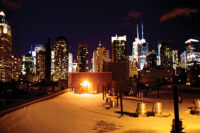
79, 25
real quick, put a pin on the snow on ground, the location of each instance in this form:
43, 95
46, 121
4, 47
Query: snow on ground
74, 113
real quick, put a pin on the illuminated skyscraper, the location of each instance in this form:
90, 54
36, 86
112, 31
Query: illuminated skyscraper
100, 55
140, 49
27, 64
82, 58
5, 49
119, 48
192, 51
36, 48
61, 58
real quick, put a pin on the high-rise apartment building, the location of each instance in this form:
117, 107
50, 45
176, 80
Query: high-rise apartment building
61, 58
82, 58
5, 49
119, 48
100, 55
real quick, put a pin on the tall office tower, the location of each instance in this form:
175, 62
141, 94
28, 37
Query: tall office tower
40, 65
48, 61
119, 48
16, 68
165, 54
34, 50
174, 58
61, 58
140, 49
82, 58
5, 49
100, 55
192, 51
27, 64
70, 62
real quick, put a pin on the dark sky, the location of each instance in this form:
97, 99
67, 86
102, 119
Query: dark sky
90, 21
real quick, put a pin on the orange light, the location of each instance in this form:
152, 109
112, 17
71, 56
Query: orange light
85, 83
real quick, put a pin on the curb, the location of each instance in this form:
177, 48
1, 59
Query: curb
31, 102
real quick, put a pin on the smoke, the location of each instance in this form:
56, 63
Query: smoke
12, 4
178, 12
133, 15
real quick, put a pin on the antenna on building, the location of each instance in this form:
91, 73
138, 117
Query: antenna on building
137, 32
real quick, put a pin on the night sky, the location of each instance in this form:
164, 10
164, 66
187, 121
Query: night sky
90, 21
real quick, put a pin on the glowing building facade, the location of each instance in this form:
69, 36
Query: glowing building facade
100, 55
82, 58
61, 54
192, 52
5, 49
119, 48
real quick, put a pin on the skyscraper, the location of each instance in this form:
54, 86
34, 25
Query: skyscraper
40, 65
61, 58
119, 48
82, 58
140, 49
100, 55
27, 64
192, 51
34, 50
165, 54
5, 49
